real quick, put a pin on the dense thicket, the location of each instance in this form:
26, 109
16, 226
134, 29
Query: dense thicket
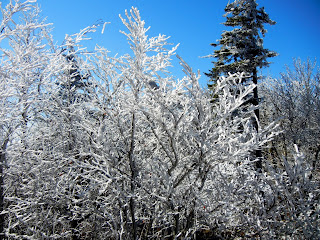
101, 147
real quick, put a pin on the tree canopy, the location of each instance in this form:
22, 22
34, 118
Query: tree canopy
241, 49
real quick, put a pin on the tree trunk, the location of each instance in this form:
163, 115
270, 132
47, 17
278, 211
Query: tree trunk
255, 102
2, 162
133, 178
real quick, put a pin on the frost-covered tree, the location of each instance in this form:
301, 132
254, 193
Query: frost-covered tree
294, 100
241, 49
69, 94
158, 143
37, 127
23, 62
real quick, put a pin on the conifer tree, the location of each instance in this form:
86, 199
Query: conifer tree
241, 49
74, 87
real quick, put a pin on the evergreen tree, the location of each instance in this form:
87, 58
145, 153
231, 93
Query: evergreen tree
241, 49
75, 86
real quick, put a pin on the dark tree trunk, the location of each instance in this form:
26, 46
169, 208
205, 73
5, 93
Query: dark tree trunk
133, 178
1, 198
2, 162
255, 102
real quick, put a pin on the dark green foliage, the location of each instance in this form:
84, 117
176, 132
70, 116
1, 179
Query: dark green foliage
241, 49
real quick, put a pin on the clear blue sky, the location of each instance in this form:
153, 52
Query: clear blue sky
193, 24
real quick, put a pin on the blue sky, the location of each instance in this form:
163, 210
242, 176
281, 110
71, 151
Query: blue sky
193, 24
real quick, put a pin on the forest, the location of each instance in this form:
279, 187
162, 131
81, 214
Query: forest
94, 145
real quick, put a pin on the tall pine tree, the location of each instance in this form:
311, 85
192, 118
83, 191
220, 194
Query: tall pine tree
241, 49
